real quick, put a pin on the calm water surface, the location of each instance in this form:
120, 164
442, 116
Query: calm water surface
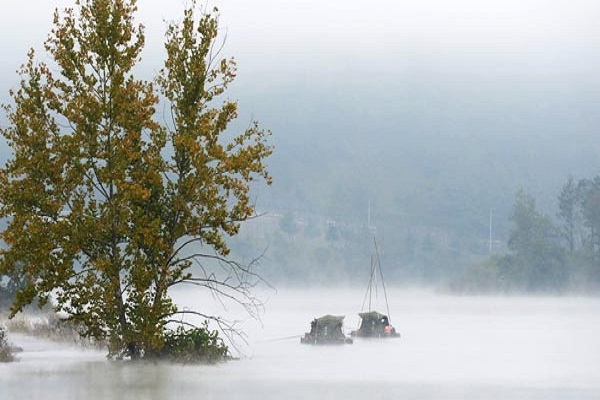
451, 348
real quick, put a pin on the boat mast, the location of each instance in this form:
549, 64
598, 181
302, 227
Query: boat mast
369, 291
376, 265
387, 306
369, 214
370, 287
371, 283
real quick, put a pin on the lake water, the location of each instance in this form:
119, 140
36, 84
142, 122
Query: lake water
451, 348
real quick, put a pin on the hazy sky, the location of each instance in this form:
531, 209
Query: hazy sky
531, 55
543, 35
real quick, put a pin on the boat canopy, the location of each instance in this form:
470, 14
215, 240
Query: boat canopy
373, 322
328, 326
326, 330
330, 320
372, 315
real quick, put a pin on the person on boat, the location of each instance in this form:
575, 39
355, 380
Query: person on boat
338, 332
313, 327
384, 321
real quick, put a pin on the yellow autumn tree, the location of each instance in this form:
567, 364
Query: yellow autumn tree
107, 208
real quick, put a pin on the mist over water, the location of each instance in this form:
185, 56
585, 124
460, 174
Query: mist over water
451, 347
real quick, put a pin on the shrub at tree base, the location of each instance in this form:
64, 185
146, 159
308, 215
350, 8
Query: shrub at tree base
194, 345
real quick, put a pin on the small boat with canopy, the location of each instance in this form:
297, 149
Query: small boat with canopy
374, 324
326, 330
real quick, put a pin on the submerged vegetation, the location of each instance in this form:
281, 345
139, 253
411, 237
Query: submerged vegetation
48, 326
107, 209
5, 349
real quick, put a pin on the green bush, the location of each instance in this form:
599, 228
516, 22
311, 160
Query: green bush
194, 345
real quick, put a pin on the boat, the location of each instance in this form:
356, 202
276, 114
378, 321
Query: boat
374, 323
326, 330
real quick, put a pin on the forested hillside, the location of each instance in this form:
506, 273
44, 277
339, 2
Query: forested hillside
418, 159
427, 198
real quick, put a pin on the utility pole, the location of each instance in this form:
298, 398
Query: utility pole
369, 214
491, 239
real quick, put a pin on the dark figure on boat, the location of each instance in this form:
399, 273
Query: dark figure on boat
374, 324
326, 330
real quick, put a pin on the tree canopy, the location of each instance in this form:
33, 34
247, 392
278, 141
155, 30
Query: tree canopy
536, 258
108, 208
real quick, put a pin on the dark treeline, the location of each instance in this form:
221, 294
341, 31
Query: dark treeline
545, 254
538, 246
427, 200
